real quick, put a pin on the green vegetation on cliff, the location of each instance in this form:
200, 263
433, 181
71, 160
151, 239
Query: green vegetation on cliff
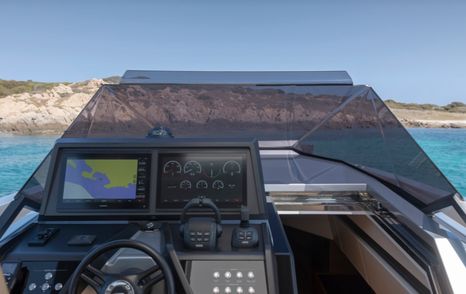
18, 87
459, 107
10, 87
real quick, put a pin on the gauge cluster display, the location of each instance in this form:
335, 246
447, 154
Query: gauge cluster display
182, 177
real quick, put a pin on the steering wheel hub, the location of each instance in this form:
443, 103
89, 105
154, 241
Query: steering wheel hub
119, 286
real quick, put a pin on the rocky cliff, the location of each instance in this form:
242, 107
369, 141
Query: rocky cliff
45, 112
50, 110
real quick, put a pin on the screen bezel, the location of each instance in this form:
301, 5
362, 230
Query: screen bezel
103, 205
202, 153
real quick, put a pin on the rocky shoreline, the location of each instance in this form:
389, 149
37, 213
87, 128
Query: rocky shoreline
51, 111
430, 118
433, 124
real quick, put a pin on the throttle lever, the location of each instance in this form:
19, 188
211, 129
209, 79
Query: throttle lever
244, 217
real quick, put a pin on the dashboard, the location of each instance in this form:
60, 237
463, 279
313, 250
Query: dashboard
159, 193
151, 178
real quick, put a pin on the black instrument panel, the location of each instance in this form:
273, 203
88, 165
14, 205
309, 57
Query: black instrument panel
151, 179
184, 176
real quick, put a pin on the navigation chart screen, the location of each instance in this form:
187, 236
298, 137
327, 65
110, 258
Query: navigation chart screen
106, 182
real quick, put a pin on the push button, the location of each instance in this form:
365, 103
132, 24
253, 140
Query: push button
32, 287
58, 286
45, 287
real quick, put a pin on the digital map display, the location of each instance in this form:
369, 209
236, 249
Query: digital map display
100, 179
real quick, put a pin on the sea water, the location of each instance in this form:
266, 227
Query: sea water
447, 149
20, 155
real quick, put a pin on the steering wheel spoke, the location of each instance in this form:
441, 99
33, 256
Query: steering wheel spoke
150, 277
95, 271
96, 284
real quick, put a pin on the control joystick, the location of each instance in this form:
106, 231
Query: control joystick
200, 232
244, 236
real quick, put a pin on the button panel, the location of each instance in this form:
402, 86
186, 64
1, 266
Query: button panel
245, 237
47, 277
43, 237
228, 277
199, 239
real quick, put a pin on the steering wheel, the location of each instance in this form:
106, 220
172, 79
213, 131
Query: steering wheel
105, 283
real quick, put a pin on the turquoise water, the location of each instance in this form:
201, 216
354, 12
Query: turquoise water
20, 155
447, 149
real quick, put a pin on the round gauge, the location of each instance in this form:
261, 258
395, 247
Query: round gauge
192, 168
231, 167
218, 185
172, 167
185, 185
202, 184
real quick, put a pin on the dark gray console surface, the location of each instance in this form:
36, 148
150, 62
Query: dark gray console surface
57, 248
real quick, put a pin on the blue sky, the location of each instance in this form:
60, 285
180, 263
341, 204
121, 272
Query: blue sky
413, 52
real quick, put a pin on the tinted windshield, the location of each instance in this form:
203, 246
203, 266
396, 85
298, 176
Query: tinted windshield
345, 123
263, 112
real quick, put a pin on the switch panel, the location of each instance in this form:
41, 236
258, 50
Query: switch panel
244, 237
228, 276
43, 237
47, 277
